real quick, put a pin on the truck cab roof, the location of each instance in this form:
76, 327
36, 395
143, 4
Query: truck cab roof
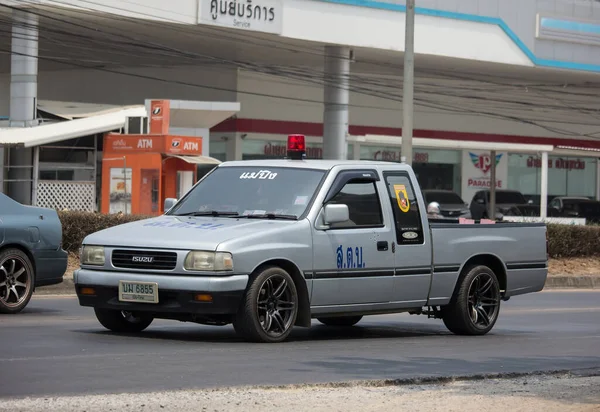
313, 163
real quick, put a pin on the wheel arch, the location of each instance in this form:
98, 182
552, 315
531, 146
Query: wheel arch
485, 259
303, 318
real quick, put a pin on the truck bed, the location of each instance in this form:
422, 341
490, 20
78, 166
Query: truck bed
515, 251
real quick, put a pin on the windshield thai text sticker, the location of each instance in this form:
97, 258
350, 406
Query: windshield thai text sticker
300, 200
261, 174
351, 258
402, 198
186, 225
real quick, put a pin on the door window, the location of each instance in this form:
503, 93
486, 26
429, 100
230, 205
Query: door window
363, 204
409, 228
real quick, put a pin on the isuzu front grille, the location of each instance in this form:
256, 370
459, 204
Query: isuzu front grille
144, 259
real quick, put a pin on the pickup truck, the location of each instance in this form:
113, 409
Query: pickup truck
267, 245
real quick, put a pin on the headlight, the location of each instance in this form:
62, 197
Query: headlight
208, 261
92, 255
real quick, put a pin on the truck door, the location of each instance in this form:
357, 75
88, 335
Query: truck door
353, 260
412, 268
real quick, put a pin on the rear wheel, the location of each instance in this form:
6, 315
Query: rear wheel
16, 281
475, 307
123, 321
269, 308
340, 320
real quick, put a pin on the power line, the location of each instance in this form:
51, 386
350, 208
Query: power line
301, 76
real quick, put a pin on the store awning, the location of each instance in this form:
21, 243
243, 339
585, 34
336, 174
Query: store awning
453, 144
76, 110
199, 160
70, 129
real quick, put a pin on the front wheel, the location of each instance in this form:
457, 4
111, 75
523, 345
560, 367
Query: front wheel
475, 307
123, 321
269, 308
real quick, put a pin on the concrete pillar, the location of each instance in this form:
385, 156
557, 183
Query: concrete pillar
336, 95
23, 99
544, 187
24, 70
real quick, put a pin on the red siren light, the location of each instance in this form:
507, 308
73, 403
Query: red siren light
296, 146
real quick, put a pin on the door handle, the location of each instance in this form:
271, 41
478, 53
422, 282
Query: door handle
382, 245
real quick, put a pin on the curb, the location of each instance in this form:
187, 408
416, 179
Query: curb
67, 287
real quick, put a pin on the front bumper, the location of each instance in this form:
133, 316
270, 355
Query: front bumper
175, 293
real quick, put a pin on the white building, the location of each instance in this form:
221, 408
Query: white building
486, 71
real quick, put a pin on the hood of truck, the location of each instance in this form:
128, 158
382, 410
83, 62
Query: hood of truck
179, 232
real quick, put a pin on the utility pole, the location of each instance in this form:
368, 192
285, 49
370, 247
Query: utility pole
409, 83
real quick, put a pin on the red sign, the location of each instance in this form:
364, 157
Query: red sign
395, 156
483, 183
317, 153
281, 150
571, 164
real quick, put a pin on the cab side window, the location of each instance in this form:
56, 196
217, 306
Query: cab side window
363, 204
407, 216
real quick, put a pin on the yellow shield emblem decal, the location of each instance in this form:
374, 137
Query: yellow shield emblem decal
402, 198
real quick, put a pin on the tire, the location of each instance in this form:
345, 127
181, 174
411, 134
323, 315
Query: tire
343, 321
271, 319
17, 279
122, 321
475, 306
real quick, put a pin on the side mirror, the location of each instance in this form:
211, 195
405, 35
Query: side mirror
169, 203
335, 213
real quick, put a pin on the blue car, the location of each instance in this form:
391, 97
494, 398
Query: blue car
31, 253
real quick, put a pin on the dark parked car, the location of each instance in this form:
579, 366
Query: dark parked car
508, 203
31, 253
451, 204
578, 207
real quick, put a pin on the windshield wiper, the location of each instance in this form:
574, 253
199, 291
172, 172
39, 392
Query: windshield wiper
269, 216
209, 213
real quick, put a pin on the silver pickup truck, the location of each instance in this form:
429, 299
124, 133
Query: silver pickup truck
269, 245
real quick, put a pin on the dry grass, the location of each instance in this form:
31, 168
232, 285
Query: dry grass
574, 266
558, 267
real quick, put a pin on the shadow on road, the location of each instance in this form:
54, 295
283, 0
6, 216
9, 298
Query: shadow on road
316, 333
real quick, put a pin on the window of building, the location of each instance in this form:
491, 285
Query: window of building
363, 204
407, 218
435, 168
567, 176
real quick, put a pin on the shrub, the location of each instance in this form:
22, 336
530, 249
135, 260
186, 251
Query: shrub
564, 241
77, 225
568, 241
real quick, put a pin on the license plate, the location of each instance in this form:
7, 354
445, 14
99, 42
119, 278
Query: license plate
143, 292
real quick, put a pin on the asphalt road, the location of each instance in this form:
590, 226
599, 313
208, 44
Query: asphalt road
56, 347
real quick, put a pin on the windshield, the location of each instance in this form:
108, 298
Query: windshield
247, 191
588, 207
448, 198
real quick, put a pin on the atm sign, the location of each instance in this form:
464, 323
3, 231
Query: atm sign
183, 145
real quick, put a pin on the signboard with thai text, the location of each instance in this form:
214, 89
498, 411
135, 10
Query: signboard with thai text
255, 15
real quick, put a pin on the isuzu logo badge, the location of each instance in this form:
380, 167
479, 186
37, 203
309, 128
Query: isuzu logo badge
142, 259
